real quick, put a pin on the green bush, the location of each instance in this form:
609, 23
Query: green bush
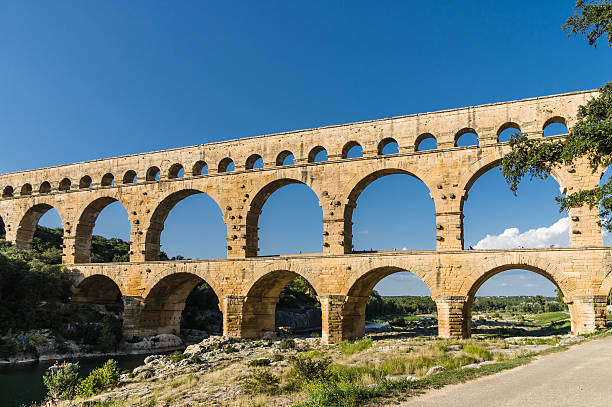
260, 362
61, 383
263, 381
278, 357
99, 379
231, 349
305, 370
349, 348
337, 394
287, 343
176, 356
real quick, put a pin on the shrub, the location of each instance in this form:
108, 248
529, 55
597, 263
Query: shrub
287, 343
99, 379
176, 356
349, 348
61, 383
278, 357
263, 381
337, 394
482, 353
260, 362
308, 370
398, 321
231, 349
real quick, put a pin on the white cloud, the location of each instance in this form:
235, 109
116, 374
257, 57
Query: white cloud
556, 234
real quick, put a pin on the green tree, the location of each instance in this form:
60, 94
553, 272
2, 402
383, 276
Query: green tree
99, 379
61, 383
590, 138
593, 19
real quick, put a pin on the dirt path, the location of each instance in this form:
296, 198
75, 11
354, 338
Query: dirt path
580, 376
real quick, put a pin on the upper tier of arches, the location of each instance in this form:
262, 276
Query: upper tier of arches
485, 123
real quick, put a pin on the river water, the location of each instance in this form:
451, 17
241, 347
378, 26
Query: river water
23, 385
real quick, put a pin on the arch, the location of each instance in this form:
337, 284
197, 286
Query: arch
315, 152
259, 312
252, 160
419, 146
28, 222
107, 180
356, 191
476, 283
175, 171
26, 189
285, 158
256, 205
64, 185
199, 168
158, 218
349, 146
85, 182
85, 225
45, 187
463, 134
506, 130
353, 323
152, 174
555, 126
387, 143
226, 165
96, 289
165, 301
7, 192
129, 177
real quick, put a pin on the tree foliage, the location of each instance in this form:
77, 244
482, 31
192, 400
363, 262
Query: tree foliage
61, 383
593, 19
590, 138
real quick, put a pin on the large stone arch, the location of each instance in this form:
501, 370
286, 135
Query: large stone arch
261, 297
474, 280
359, 286
357, 185
96, 289
255, 209
163, 302
28, 221
86, 222
158, 217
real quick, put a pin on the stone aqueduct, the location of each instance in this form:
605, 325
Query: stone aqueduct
154, 292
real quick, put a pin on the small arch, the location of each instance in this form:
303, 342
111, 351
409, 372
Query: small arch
7, 192
26, 189
317, 154
285, 158
64, 185
226, 165
129, 177
426, 141
97, 289
555, 126
108, 180
199, 168
176, 171
466, 137
153, 174
253, 162
388, 146
352, 149
506, 131
45, 187
85, 182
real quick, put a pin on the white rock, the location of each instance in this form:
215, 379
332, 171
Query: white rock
434, 370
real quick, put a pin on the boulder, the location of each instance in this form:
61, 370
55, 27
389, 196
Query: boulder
434, 370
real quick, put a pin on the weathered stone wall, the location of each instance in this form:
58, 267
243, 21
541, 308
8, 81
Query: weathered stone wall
247, 286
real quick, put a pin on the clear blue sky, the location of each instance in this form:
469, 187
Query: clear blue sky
84, 80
